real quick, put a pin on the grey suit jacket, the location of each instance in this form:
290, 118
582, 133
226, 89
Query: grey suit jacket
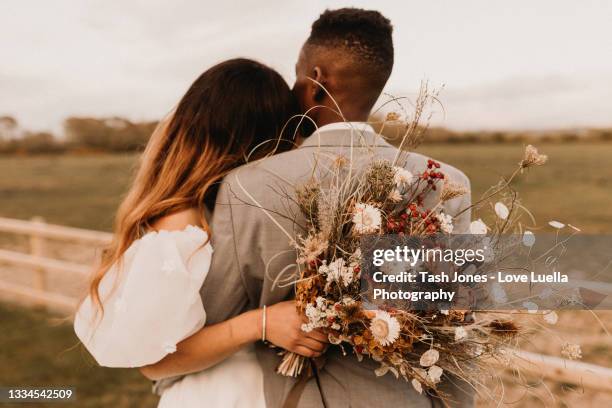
251, 251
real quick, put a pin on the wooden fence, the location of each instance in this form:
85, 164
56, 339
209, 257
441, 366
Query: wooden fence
543, 366
41, 264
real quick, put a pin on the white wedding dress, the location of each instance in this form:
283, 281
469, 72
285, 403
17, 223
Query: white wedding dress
151, 302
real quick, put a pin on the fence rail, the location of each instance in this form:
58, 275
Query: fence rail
558, 369
38, 261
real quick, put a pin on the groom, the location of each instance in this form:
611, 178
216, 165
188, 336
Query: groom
348, 56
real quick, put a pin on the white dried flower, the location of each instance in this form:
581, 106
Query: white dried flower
384, 369
403, 178
338, 271
528, 239
395, 196
460, 333
429, 358
478, 227
434, 374
311, 247
532, 157
571, 351
556, 224
501, 210
366, 218
317, 314
551, 317
385, 328
446, 223
416, 384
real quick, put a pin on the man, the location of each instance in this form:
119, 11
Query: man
342, 69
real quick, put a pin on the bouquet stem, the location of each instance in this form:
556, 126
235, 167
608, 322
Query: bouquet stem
291, 364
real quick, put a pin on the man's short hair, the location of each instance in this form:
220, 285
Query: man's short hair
365, 34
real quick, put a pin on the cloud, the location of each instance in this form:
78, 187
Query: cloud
504, 66
530, 102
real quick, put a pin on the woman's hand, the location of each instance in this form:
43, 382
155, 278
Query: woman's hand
284, 329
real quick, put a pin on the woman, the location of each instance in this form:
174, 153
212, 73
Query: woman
144, 308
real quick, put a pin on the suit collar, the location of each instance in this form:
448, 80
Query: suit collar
357, 134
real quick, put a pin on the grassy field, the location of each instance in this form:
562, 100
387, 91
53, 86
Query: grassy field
83, 191
80, 191
37, 349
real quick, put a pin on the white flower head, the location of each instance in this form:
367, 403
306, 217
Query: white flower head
435, 373
366, 218
460, 333
416, 384
395, 196
556, 224
446, 223
385, 328
501, 210
429, 358
311, 247
532, 157
528, 239
403, 178
551, 317
478, 227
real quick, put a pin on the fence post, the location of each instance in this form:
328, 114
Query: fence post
37, 248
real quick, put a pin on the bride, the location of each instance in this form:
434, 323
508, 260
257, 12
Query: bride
144, 307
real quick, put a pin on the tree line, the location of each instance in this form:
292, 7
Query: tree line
86, 134
116, 134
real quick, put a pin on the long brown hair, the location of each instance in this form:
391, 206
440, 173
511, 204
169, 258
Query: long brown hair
234, 110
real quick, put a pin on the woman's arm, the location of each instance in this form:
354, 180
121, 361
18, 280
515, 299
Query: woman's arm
214, 343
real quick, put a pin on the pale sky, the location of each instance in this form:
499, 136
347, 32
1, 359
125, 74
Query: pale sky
522, 64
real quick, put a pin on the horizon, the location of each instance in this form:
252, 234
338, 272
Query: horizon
502, 71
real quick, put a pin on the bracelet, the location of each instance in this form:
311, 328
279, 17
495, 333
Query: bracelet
263, 325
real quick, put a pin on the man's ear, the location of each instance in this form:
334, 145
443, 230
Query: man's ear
318, 93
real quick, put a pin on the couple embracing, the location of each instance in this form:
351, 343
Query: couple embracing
190, 291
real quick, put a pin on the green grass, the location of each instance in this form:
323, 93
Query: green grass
574, 187
84, 191
39, 350
80, 191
